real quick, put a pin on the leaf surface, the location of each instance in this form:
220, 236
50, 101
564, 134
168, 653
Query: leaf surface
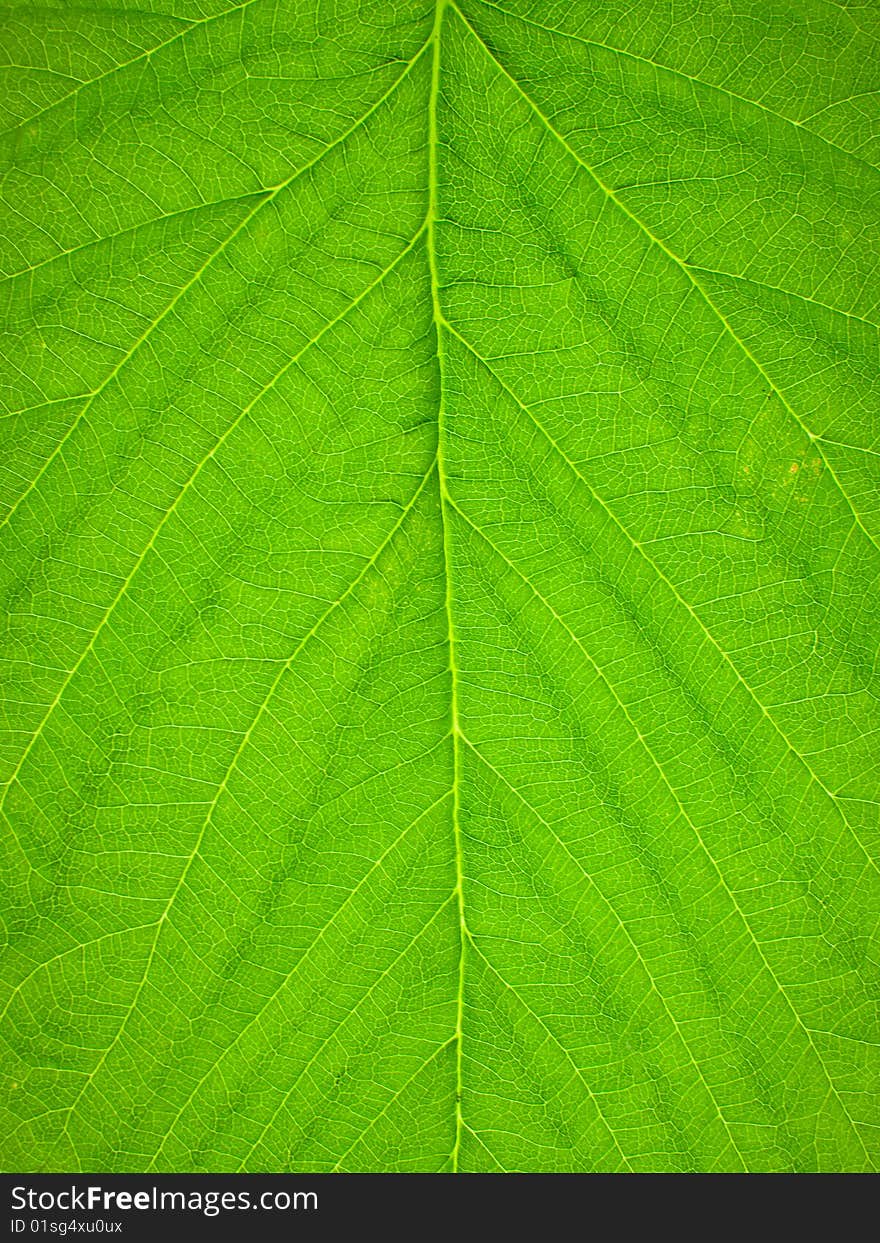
441, 533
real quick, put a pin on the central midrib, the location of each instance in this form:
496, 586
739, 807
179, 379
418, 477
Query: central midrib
439, 323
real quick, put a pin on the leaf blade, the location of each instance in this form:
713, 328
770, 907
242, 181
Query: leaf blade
438, 605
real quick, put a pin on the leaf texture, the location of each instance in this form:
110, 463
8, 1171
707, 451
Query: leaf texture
441, 534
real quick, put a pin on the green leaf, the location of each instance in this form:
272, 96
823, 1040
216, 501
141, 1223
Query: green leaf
440, 543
